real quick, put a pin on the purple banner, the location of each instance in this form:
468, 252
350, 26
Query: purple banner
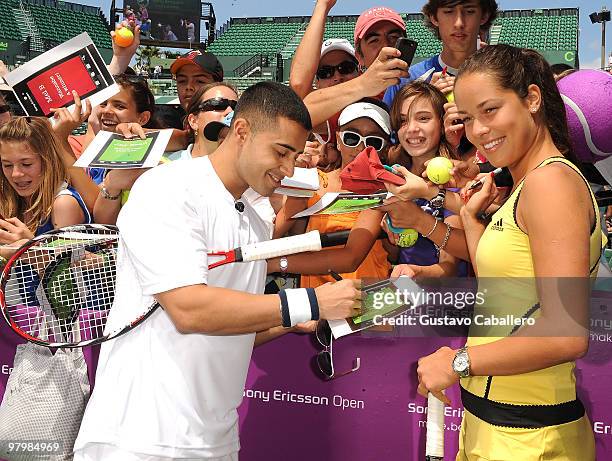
375, 413
289, 413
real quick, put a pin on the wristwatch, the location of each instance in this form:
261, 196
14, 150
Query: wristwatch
438, 200
461, 363
284, 265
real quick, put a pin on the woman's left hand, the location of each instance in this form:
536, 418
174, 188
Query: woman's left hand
436, 373
12, 230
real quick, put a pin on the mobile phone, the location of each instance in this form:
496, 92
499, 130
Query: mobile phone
408, 48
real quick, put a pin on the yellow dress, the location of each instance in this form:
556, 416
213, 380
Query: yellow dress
549, 422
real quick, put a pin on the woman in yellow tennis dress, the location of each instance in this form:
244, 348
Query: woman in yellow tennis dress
533, 261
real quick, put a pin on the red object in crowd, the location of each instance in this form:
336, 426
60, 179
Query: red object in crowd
366, 174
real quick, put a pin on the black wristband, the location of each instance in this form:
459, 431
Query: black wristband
314, 303
284, 307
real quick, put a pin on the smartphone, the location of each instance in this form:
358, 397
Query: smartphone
408, 49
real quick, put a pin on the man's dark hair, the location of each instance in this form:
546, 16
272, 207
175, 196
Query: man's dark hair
263, 103
432, 6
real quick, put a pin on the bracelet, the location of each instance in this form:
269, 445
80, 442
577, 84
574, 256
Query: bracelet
432, 230
106, 195
446, 237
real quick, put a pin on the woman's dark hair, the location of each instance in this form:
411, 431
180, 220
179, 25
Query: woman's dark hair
516, 69
167, 116
144, 99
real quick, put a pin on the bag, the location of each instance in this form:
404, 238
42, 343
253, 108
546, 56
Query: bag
43, 404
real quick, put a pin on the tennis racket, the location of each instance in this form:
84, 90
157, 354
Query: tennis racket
434, 442
57, 289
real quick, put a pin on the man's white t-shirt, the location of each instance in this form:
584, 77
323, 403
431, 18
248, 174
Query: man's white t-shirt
160, 392
260, 203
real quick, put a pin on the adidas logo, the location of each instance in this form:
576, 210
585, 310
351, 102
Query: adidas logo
498, 226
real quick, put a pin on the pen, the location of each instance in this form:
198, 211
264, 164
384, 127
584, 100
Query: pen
335, 275
444, 72
390, 169
480, 182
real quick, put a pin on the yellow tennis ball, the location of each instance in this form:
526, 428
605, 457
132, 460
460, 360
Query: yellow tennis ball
438, 170
407, 238
124, 37
450, 97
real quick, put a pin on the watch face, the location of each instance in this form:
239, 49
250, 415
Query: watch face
460, 363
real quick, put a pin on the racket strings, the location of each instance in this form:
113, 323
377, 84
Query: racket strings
60, 289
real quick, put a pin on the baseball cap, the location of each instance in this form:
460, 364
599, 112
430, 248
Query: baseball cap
374, 15
367, 110
213, 129
337, 44
207, 61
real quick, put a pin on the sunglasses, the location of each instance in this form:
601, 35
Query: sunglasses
216, 104
352, 139
324, 358
4, 108
345, 68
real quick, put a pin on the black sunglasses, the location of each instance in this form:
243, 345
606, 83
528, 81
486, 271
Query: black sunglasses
325, 360
345, 68
216, 104
4, 108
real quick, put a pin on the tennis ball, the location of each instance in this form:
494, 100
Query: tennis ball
438, 170
450, 97
407, 238
587, 95
124, 37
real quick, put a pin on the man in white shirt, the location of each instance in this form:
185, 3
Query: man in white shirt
169, 389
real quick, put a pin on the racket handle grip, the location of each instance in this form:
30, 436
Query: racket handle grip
434, 443
310, 241
332, 239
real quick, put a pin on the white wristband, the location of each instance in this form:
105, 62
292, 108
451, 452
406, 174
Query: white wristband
299, 305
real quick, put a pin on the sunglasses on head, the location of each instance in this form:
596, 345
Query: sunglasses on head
345, 68
324, 358
352, 139
216, 104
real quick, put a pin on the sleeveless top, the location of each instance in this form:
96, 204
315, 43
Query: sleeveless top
375, 264
506, 278
66, 190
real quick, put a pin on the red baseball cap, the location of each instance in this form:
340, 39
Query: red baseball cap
207, 61
374, 15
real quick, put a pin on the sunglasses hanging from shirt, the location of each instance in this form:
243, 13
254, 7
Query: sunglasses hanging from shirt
325, 359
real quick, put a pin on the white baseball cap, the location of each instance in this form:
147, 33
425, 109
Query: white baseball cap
368, 110
337, 44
